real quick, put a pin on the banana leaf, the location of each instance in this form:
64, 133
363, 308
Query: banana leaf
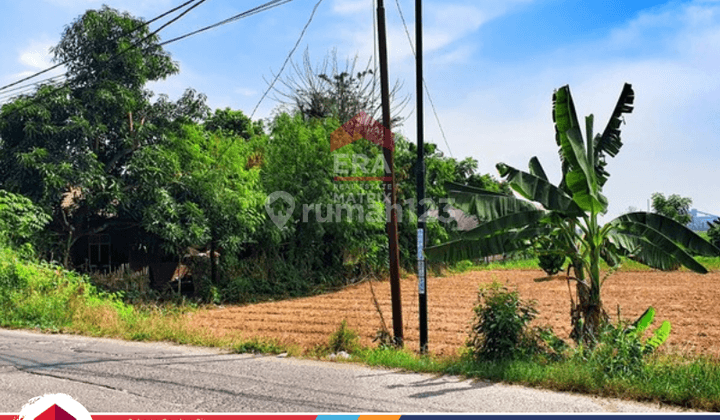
537, 169
642, 250
644, 321
539, 190
501, 243
673, 230
488, 206
580, 178
454, 187
565, 119
609, 142
511, 221
668, 246
659, 336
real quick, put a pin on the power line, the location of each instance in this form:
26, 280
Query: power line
375, 53
287, 59
31, 86
133, 46
266, 6
128, 33
263, 7
289, 56
427, 90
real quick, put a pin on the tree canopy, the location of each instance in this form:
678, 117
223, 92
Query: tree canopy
674, 207
98, 153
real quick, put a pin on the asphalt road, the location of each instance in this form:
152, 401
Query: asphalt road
117, 376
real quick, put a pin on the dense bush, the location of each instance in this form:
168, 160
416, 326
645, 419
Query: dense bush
20, 219
500, 329
36, 294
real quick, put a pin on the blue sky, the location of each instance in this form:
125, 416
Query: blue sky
491, 67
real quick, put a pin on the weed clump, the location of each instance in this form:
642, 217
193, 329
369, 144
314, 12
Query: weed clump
621, 351
344, 339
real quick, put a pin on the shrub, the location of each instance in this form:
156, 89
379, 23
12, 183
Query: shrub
36, 294
618, 354
500, 328
20, 219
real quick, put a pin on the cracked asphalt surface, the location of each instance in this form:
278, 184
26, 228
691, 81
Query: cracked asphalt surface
116, 376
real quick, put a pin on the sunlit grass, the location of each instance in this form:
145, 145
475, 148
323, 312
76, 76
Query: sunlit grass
690, 383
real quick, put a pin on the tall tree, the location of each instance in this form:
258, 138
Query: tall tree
674, 207
68, 148
198, 188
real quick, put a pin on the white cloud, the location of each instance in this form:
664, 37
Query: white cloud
245, 91
36, 54
348, 7
444, 24
459, 54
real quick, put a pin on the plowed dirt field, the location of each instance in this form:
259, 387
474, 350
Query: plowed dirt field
691, 302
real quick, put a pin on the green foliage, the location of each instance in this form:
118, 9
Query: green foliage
97, 49
297, 160
197, 187
69, 149
713, 232
674, 207
622, 351
500, 328
659, 336
20, 219
233, 123
37, 294
344, 339
550, 259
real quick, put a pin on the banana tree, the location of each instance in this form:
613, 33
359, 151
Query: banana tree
564, 218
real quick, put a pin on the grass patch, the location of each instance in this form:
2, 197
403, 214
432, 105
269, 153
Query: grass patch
672, 380
711, 263
35, 294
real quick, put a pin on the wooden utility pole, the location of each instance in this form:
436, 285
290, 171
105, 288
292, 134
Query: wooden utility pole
420, 167
389, 183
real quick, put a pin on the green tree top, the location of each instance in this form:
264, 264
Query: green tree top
674, 207
106, 47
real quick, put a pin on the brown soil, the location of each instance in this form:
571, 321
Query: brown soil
691, 302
